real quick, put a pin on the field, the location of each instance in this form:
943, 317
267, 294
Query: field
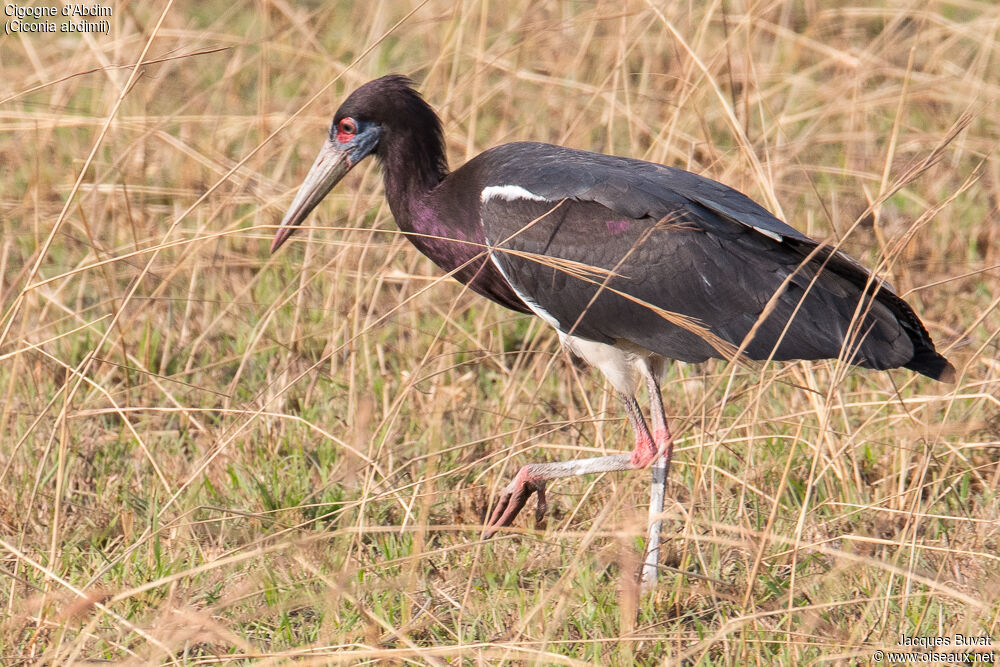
212, 455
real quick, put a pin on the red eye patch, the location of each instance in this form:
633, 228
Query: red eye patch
346, 130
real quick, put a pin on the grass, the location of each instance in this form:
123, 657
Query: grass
211, 455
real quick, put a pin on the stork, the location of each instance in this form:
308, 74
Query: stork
633, 263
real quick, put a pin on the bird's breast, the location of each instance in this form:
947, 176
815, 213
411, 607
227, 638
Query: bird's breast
459, 249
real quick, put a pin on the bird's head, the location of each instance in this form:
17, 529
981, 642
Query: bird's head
366, 121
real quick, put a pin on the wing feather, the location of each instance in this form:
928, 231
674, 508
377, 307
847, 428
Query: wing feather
614, 249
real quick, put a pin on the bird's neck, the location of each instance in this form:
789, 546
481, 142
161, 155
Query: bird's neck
413, 166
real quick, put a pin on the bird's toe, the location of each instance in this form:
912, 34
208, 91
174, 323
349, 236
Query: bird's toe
512, 500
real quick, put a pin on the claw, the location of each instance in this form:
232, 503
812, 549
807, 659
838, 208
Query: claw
512, 500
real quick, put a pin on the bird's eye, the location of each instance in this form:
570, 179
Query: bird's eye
346, 129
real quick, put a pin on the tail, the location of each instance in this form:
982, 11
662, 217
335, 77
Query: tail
927, 361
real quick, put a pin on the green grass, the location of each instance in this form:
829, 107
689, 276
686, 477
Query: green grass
288, 458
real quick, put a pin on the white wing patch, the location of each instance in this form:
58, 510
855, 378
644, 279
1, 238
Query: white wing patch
770, 234
507, 192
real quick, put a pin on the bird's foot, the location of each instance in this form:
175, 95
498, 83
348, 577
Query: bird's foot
512, 500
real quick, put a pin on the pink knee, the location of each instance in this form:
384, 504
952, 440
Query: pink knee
645, 451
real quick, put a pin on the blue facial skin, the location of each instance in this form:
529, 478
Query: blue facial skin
365, 140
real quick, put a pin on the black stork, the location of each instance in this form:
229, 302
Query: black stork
633, 263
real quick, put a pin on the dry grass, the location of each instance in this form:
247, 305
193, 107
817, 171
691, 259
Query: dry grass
212, 455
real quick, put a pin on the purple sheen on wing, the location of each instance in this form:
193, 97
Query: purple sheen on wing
617, 226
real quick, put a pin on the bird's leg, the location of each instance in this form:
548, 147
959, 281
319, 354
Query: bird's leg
665, 449
532, 477
645, 447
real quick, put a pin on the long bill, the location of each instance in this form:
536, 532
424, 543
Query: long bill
330, 166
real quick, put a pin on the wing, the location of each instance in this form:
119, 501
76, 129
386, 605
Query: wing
641, 249
629, 187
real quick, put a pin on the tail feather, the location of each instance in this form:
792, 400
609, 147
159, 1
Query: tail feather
927, 361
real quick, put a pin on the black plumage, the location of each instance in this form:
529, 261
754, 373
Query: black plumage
634, 263
689, 245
